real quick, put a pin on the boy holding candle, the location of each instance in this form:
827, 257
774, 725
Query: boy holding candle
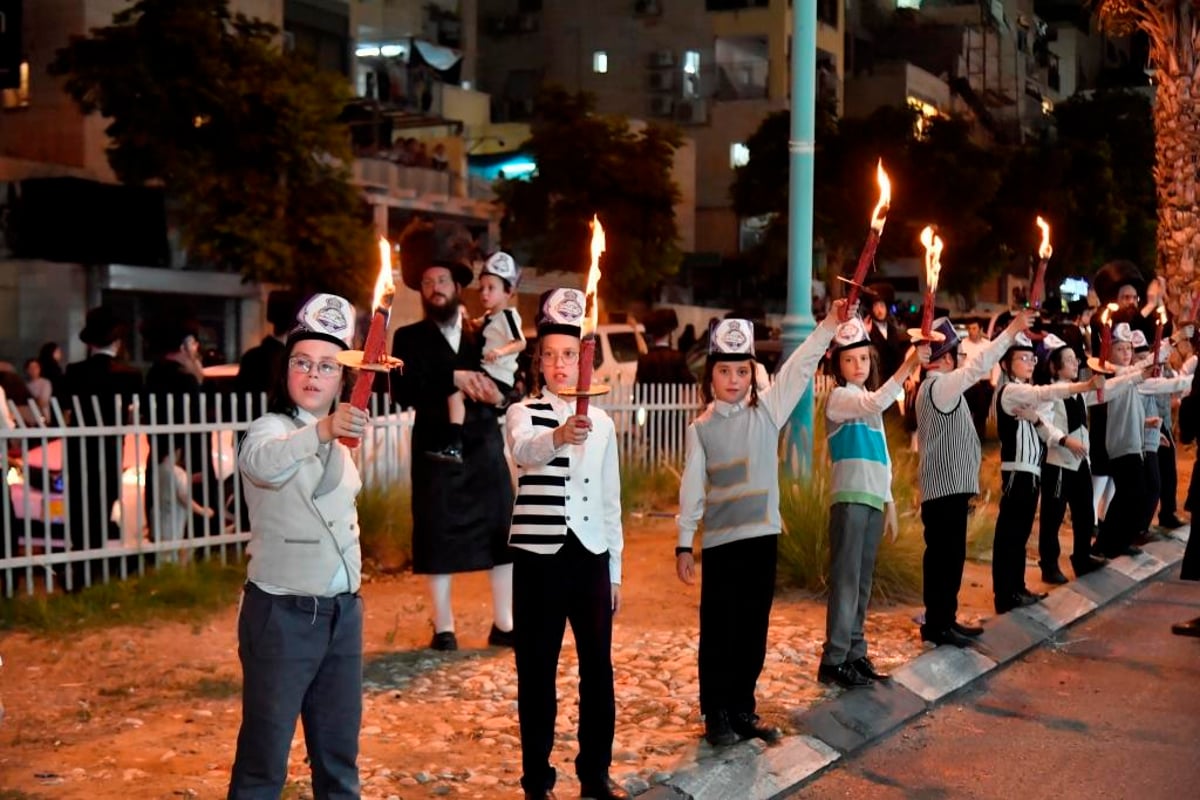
950, 458
731, 483
567, 541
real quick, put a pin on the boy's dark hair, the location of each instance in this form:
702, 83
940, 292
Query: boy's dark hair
706, 382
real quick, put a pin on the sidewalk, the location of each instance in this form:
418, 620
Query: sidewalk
153, 711
838, 727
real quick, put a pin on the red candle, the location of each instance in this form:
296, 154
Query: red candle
375, 347
1158, 331
867, 256
1038, 289
587, 353
933, 266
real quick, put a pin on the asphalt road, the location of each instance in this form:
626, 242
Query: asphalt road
1108, 709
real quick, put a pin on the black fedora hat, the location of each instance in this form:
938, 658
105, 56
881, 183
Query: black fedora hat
421, 249
102, 327
1109, 279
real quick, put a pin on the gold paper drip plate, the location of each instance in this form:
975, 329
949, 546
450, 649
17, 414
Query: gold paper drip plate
595, 390
1099, 367
354, 360
933, 336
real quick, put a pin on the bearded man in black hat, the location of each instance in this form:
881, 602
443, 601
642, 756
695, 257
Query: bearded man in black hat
461, 512
113, 385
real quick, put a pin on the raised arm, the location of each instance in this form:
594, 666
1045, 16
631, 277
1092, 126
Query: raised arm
844, 406
794, 376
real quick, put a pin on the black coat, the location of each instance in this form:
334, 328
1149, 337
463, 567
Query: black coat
663, 365
461, 513
99, 457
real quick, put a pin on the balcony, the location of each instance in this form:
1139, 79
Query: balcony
396, 180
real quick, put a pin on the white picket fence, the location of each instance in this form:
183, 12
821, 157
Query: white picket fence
50, 532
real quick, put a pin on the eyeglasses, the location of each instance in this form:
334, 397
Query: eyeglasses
1025, 358
325, 369
567, 357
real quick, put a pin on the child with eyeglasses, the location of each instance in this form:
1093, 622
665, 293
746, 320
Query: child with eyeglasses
300, 622
1023, 439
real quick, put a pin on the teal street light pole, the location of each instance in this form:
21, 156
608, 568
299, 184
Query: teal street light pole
798, 322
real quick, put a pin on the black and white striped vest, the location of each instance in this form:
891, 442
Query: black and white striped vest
949, 447
539, 522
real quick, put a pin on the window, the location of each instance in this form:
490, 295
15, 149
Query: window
691, 73
600, 62
739, 155
19, 97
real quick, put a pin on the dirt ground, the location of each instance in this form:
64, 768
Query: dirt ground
153, 711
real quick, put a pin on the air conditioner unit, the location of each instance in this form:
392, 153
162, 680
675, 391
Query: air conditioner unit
662, 81
662, 58
662, 106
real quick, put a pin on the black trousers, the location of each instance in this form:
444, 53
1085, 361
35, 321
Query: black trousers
301, 657
1153, 483
736, 592
1191, 502
1062, 488
1123, 519
945, 521
979, 401
548, 591
1169, 480
1014, 523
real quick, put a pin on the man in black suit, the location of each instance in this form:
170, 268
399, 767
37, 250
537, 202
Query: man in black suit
461, 512
93, 476
260, 365
662, 363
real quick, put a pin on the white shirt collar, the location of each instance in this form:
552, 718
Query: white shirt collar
727, 409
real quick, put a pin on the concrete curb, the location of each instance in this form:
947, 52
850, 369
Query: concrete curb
842, 725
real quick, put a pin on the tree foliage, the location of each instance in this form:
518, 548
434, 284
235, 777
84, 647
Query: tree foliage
592, 164
243, 137
984, 200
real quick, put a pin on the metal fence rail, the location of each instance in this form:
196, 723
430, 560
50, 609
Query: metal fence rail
89, 503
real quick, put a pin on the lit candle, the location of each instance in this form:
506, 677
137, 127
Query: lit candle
1038, 290
867, 256
375, 347
933, 267
587, 345
1158, 332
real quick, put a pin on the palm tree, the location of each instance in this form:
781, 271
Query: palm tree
1173, 27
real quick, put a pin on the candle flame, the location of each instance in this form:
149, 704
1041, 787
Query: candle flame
933, 256
592, 319
879, 215
385, 288
1045, 251
1107, 313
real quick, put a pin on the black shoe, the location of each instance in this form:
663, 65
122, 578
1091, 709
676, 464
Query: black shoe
867, 670
1083, 566
717, 730
1189, 628
445, 641
499, 638
1131, 551
948, 636
1171, 522
966, 630
746, 725
1032, 597
608, 790
1053, 575
545, 794
844, 675
449, 454
1006, 603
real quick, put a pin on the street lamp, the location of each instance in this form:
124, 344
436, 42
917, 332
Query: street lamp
798, 321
